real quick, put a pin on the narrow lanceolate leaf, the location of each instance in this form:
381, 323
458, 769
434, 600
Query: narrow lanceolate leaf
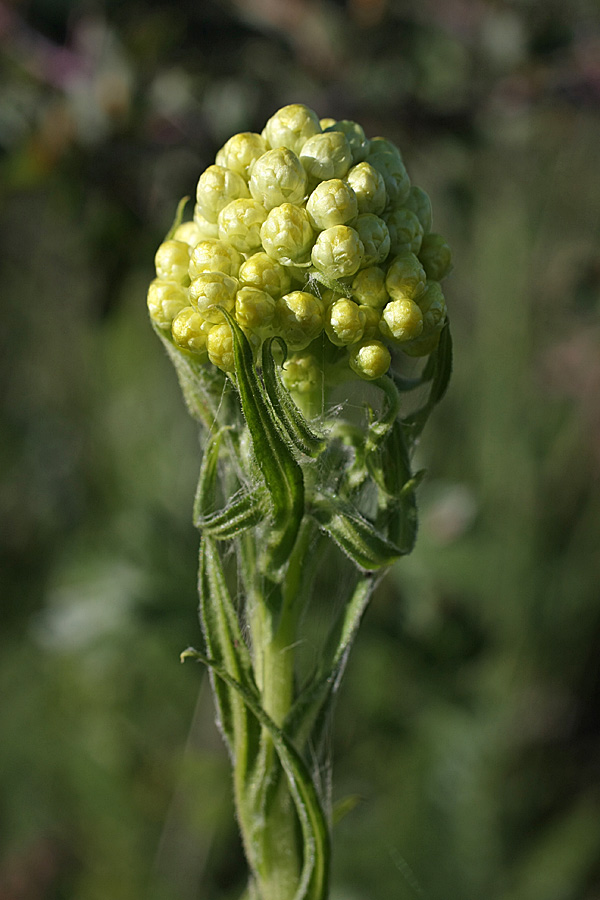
226, 645
281, 472
315, 833
379, 427
245, 510
204, 502
438, 370
291, 419
178, 218
354, 534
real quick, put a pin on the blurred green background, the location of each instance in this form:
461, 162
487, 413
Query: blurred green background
469, 722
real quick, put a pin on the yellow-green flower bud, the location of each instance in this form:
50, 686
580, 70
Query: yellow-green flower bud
219, 344
218, 186
291, 126
372, 320
405, 277
278, 177
368, 287
332, 202
172, 261
432, 304
401, 320
326, 156
240, 153
369, 187
208, 230
326, 123
406, 232
338, 252
383, 145
240, 222
286, 234
370, 359
344, 322
375, 237
189, 233
211, 290
299, 319
418, 201
254, 310
436, 256
189, 331
397, 182
355, 136
214, 256
302, 373
266, 274
165, 300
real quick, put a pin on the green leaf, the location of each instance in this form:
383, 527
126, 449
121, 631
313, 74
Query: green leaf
315, 833
281, 472
354, 534
379, 427
438, 370
245, 510
178, 218
225, 643
295, 426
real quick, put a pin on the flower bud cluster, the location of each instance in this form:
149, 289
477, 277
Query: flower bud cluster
309, 231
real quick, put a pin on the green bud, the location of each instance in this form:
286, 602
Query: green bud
208, 230
213, 289
375, 236
266, 274
172, 261
344, 322
254, 310
214, 256
219, 344
383, 145
291, 126
406, 232
369, 188
370, 359
433, 306
368, 287
422, 346
326, 156
299, 319
189, 233
418, 201
332, 202
165, 300
397, 182
189, 331
338, 252
372, 320
217, 187
355, 136
436, 256
302, 374
401, 320
278, 177
287, 235
405, 277
240, 153
240, 222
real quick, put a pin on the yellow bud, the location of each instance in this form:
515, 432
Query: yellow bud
254, 310
401, 320
299, 319
219, 344
372, 320
214, 256
172, 260
211, 290
302, 373
344, 322
189, 233
368, 287
266, 274
189, 331
370, 359
165, 300
405, 277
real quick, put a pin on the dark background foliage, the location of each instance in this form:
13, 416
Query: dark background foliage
469, 723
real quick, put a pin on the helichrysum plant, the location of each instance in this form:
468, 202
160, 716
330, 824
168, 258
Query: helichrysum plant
303, 310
